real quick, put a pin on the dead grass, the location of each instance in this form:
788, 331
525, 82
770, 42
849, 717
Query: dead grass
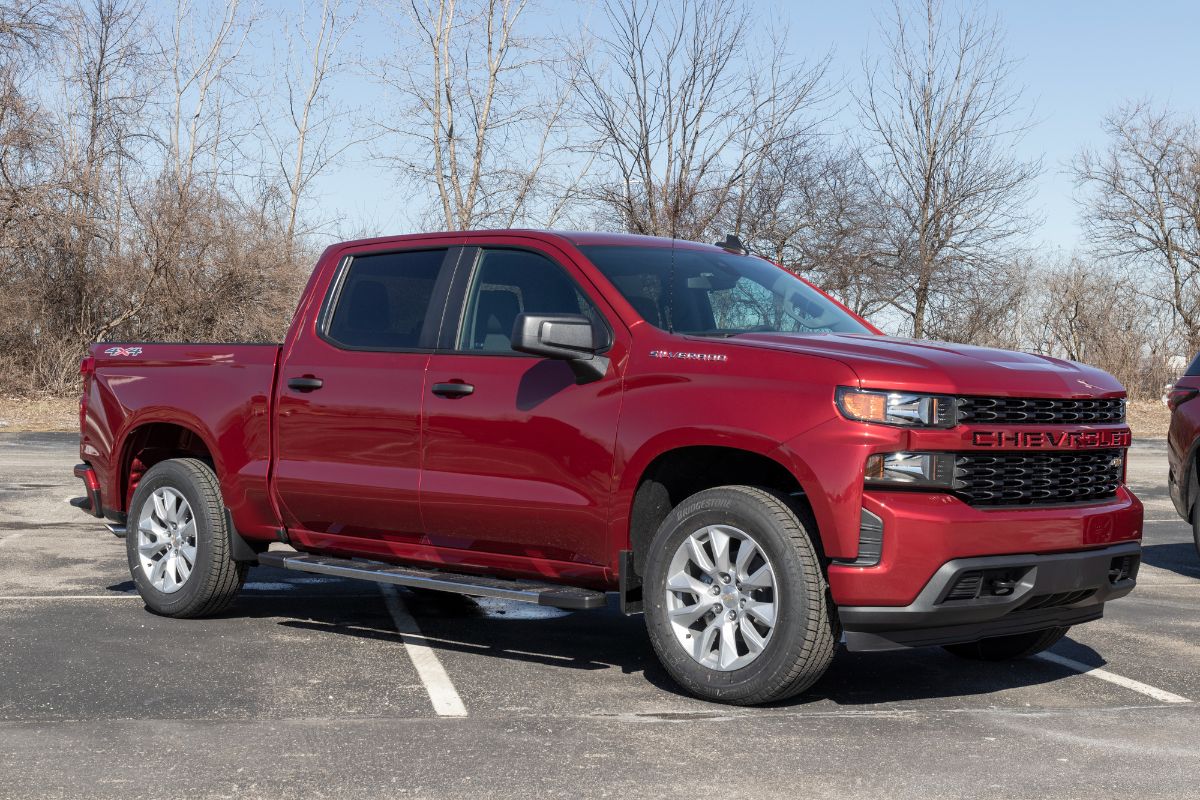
39, 414
1148, 419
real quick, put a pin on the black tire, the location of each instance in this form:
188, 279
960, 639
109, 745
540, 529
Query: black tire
1008, 648
216, 578
1196, 526
801, 645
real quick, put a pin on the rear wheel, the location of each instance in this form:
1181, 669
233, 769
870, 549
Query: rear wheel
178, 542
1007, 648
736, 603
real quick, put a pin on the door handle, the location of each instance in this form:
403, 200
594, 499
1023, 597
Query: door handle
305, 384
453, 390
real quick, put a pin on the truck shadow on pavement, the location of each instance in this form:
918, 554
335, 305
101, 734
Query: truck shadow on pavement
1178, 557
602, 640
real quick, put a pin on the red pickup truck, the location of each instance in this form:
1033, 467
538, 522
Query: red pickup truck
1183, 447
549, 416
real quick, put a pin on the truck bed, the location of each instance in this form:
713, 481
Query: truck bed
144, 394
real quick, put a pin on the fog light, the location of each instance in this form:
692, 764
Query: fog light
927, 470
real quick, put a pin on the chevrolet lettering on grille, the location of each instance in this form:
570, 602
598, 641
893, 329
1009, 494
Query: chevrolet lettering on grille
1051, 440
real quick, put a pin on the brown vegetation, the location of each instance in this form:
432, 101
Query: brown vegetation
156, 183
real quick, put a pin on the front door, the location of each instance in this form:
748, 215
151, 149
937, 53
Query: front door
519, 461
351, 387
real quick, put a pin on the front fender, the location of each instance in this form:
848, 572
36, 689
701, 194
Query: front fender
828, 461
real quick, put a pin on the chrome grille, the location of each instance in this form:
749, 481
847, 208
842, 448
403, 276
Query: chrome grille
1018, 410
1002, 479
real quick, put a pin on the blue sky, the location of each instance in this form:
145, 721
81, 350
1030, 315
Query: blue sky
1078, 60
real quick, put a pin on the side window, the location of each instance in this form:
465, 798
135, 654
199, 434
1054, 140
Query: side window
384, 300
512, 282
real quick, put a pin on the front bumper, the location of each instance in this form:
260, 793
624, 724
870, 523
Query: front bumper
1034, 592
924, 530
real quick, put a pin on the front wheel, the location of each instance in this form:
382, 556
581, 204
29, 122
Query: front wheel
178, 542
1008, 648
736, 603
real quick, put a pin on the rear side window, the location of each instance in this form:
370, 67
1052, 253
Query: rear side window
512, 282
384, 300
1194, 368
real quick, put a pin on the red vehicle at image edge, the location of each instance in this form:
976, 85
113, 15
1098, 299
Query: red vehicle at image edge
1183, 447
548, 416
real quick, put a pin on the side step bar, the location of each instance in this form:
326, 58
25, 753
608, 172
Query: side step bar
545, 594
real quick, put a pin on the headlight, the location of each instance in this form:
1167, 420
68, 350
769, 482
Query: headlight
898, 408
917, 470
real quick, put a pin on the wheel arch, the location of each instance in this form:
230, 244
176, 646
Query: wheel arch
150, 440
675, 473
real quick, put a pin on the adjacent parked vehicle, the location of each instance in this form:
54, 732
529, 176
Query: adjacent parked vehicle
1183, 447
552, 416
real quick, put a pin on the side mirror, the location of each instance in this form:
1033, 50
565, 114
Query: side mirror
566, 337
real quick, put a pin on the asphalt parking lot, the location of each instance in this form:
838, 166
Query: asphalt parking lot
315, 687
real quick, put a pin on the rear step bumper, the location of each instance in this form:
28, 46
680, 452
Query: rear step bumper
545, 594
91, 501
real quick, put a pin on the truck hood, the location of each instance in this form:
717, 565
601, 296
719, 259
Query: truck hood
888, 362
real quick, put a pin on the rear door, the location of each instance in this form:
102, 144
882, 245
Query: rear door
349, 397
519, 461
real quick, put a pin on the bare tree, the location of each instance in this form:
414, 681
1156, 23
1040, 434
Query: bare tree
479, 119
1142, 207
989, 313
24, 130
105, 65
27, 179
123, 169
942, 124
200, 52
302, 125
1081, 311
810, 207
687, 102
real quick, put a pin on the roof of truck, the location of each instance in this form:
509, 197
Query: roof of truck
577, 238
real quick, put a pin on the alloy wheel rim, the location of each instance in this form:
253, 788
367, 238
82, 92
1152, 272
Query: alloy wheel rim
166, 540
721, 597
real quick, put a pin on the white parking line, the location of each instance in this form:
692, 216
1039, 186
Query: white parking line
442, 693
254, 595
69, 596
1161, 695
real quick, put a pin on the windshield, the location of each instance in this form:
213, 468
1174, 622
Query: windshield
717, 293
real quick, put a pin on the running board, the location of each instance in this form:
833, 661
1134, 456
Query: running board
544, 594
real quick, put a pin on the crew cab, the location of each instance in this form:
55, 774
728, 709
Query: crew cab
1183, 447
550, 417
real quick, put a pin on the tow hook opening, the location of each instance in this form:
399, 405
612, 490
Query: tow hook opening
1121, 568
974, 584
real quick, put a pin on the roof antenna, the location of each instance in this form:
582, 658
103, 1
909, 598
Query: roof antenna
733, 244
